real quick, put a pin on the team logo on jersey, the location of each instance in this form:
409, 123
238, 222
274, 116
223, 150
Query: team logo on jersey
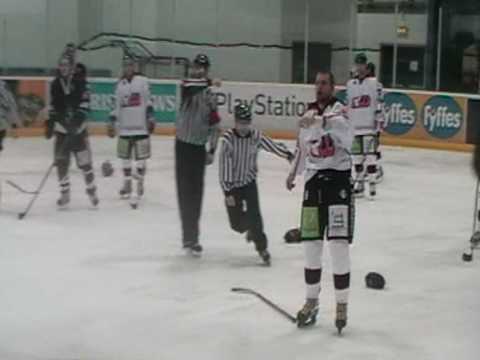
400, 113
442, 117
135, 99
363, 101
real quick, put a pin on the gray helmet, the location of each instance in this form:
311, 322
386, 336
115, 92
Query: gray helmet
361, 59
202, 60
243, 112
107, 169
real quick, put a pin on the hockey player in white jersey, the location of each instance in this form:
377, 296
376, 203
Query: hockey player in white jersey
323, 155
133, 121
365, 110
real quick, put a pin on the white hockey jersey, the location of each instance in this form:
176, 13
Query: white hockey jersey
132, 102
334, 123
365, 105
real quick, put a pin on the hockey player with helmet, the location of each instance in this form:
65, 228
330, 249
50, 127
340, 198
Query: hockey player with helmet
133, 121
323, 156
365, 111
238, 174
9, 118
197, 134
67, 122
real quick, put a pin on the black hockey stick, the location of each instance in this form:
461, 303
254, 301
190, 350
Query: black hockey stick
19, 188
22, 215
275, 307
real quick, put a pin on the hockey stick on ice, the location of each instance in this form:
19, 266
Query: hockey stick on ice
275, 307
22, 215
19, 188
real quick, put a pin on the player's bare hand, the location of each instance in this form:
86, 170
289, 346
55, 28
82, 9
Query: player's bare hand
210, 158
217, 82
290, 182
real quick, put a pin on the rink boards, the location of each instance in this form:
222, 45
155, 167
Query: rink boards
413, 118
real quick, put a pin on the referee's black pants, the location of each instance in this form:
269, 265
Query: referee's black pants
190, 162
244, 214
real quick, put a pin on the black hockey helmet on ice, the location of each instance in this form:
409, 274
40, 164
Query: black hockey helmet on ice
107, 168
243, 112
361, 59
375, 281
202, 60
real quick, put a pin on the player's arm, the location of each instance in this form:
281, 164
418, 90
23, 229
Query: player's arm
226, 165
276, 148
52, 111
115, 113
150, 113
13, 118
84, 104
214, 130
296, 166
340, 131
380, 110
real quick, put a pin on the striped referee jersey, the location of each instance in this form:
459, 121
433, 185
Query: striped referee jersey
238, 157
198, 116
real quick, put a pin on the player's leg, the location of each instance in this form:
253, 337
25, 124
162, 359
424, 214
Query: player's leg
340, 255
372, 171
340, 235
142, 153
190, 171
234, 202
312, 230
358, 159
182, 174
83, 157
3, 134
380, 174
124, 152
196, 189
371, 162
255, 222
62, 161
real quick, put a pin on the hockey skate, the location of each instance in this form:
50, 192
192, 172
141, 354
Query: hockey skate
341, 319
266, 257
92, 195
307, 316
359, 189
64, 200
379, 175
135, 200
372, 187
126, 190
194, 250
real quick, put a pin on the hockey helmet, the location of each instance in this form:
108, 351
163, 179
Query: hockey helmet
107, 169
361, 59
242, 112
375, 281
202, 60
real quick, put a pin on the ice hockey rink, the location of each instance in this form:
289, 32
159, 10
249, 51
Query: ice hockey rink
113, 283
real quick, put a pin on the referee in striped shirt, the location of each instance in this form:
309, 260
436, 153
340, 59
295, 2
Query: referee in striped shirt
197, 133
238, 174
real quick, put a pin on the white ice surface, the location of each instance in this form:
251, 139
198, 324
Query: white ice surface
113, 283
